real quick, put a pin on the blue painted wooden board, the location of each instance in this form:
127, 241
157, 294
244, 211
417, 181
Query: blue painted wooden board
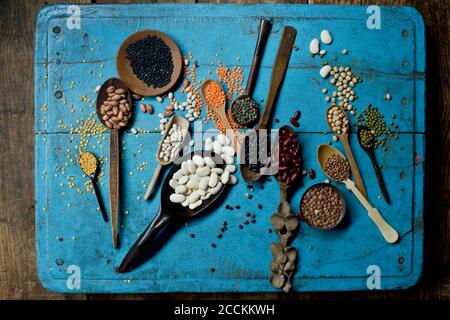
70, 230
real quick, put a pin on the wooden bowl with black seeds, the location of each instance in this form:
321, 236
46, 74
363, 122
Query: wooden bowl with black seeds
322, 206
149, 62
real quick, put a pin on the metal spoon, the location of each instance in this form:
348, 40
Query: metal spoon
343, 137
93, 177
390, 235
370, 152
184, 125
113, 155
264, 30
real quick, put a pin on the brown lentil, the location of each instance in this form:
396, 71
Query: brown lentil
337, 168
321, 206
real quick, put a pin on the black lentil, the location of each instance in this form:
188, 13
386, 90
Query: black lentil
151, 61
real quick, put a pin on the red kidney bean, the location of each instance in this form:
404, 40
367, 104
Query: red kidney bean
297, 115
294, 122
289, 157
312, 174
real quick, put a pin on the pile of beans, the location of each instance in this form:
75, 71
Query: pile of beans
172, 143
289, 170
151, 61
245, 111
338, 120
322, 206
115, 110
337, 168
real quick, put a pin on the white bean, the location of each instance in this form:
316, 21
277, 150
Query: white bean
225, 177
231, 168
195, 205
203, 171
181, 189
216, 189
177, 198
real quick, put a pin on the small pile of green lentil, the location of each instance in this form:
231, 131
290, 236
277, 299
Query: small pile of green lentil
245, 111
378, 132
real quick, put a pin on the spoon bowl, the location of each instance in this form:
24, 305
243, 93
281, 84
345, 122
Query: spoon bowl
184, 125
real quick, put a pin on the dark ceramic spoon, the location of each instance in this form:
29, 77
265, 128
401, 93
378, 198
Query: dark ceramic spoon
370, 152
169, 213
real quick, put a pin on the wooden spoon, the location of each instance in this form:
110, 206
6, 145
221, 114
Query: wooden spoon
278, 73
184, 125
370, 152
343, 137
390, 235
113, 155
264, 30
221, 113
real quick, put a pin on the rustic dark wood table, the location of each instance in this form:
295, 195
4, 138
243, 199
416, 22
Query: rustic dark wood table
18, 278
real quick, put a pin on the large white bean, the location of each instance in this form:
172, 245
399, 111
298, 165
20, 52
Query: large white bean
195, 205
177, 198
225, 177
204, 183
213, 179
183, 180
231, 168
228, 150
217, 147
216, 189
192, 184
199, 161
209, 162
191, 166
218, 171
194, 197
203, 171
181, 189
232, 180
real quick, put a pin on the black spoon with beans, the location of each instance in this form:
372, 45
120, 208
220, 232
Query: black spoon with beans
366, 142
169, 213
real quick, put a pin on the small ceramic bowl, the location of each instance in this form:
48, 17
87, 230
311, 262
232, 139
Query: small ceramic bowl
341, 215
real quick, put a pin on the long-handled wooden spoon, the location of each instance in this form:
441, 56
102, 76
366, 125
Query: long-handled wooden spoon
369, 148
278, 73
113, 154
184, 125
324, 152
343, 137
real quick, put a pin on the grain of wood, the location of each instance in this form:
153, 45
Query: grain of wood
18, 279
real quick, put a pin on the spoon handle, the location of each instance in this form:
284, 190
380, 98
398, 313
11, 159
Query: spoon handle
353, 165
141, 249
379, 177
389, 233
114, 184
153, 182
278, 72
264, 30
99, 199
